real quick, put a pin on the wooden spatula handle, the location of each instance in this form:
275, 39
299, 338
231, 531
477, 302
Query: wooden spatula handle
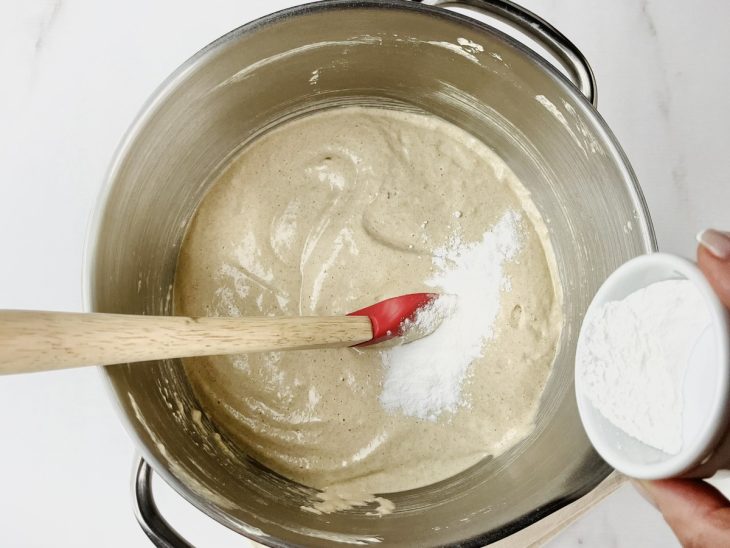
41, 341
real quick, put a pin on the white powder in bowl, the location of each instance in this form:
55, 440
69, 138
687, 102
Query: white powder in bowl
424, 378
632, 357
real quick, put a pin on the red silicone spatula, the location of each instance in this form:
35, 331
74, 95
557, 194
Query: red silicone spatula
41, 341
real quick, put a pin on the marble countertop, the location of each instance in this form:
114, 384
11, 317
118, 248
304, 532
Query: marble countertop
74, 74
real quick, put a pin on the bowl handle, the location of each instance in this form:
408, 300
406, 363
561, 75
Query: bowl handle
148, 515
568, 56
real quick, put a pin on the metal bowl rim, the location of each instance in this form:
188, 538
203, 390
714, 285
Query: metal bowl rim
160, 94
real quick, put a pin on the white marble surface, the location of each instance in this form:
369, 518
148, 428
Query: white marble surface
73, 75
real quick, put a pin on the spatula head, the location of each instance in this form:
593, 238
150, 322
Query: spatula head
387, 317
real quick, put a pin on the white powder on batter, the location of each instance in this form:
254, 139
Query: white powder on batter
632, 357
424, 378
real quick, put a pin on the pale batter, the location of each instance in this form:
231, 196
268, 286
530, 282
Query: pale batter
327, 214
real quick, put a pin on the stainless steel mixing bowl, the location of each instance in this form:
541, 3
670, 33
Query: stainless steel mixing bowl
403, 55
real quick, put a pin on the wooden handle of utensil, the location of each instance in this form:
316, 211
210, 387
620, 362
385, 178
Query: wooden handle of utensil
42, 341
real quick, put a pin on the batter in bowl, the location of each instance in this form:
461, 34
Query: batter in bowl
332, 212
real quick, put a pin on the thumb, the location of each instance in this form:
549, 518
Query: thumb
697, 512
713, 258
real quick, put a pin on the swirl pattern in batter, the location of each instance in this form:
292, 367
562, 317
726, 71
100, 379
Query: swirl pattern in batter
334, 211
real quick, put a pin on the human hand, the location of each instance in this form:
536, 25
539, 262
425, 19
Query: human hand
697, 512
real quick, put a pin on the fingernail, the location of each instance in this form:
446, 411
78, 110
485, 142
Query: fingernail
643, 491
716, 242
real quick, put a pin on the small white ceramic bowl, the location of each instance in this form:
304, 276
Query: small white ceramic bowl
706, 390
